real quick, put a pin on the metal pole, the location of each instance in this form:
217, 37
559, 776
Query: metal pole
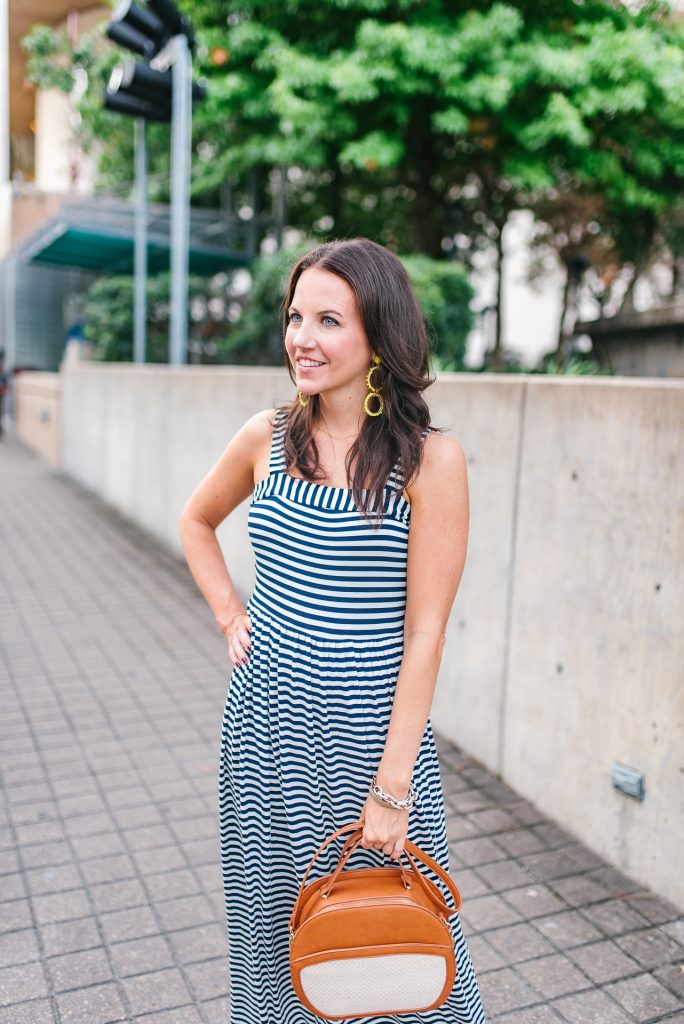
280, 207
181, 124
140, 268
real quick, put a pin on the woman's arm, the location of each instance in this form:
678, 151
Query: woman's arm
224, 487
438, 540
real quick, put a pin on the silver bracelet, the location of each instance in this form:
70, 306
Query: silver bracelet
388, 800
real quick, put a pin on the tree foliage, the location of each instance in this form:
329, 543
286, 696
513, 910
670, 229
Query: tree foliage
212, 307
398, 105
425, 123
227, 326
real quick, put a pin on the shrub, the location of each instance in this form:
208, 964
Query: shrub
244, 329
444, 292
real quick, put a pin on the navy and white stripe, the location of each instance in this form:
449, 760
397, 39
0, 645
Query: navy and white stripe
304, 729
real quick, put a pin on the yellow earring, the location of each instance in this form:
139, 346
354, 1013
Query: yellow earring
302, 403
374, 392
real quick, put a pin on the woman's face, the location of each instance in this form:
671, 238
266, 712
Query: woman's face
324, 327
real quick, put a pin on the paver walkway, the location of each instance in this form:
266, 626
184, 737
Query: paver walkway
113, 682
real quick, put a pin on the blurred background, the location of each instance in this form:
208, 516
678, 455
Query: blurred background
525, 161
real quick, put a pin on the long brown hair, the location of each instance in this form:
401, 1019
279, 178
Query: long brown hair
396, 331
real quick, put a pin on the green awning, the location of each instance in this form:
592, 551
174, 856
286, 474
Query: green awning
68, 240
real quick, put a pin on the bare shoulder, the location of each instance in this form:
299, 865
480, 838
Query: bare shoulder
259, 427
443, 465
231, 479
442, 452
256, 438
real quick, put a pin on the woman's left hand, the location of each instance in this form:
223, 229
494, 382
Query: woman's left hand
384, 828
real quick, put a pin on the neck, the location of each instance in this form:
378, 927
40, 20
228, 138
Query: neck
342, 415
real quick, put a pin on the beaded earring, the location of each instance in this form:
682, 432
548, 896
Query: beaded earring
374, 391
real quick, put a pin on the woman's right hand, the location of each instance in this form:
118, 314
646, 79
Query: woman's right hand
237, 634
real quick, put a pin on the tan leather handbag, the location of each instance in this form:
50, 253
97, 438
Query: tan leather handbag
372, 940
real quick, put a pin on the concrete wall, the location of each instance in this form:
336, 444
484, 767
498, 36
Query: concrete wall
641, 343
564, 651
660, 355
37, 413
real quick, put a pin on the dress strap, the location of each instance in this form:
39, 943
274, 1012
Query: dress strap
277, 459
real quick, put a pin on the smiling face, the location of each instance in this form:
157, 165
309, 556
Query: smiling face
324, 328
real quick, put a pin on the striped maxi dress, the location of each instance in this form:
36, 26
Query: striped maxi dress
304, 728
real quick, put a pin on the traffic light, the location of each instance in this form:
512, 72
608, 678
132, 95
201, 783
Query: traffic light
135, 88
140, 91
126, 94
137, 29
175, 22
158, 88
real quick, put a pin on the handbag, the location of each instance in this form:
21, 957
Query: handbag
372, 941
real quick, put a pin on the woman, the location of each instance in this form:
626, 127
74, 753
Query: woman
359, 520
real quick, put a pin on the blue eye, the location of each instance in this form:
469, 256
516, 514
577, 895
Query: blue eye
329, 321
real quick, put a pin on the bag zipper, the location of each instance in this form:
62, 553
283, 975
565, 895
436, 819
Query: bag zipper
369, 901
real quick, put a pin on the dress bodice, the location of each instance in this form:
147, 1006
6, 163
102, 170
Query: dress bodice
321, 568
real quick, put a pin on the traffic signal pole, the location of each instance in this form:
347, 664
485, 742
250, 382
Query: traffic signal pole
140, 255
181, 125
158, 89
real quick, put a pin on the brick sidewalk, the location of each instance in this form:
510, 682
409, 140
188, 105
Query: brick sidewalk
113, 682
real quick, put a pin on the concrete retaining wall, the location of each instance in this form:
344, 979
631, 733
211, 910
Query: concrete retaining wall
565, 647
37, 413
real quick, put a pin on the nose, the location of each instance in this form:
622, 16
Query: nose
304, 346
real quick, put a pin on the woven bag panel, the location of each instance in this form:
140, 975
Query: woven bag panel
374, 984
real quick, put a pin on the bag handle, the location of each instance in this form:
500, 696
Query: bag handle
409, 847
350, 845
435, 897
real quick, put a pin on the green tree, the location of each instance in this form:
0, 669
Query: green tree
227, 326
424, 121
444, 294
425, 125
443, 291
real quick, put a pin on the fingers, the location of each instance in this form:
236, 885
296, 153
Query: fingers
384, 830
243, 637
239, 641
393, 848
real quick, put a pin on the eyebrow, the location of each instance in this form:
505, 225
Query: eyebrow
321, 312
